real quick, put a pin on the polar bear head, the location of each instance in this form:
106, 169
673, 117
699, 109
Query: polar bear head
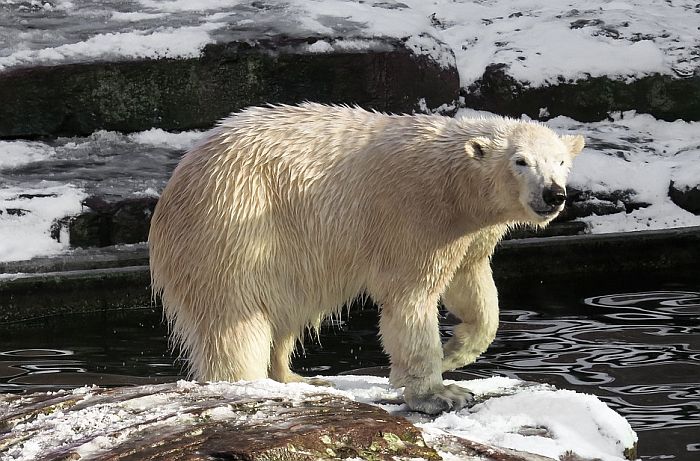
532, 163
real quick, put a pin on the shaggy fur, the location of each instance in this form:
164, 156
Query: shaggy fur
286, 213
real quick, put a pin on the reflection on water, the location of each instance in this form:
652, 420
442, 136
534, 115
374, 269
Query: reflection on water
107, 349
614, 358
638, 351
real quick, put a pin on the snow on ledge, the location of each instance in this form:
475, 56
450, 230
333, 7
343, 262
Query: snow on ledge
26, 233
183, 42
574, 422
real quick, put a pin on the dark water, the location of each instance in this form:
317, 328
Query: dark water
636, 345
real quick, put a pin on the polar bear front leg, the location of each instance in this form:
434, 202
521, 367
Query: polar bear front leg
473, 298
411, 337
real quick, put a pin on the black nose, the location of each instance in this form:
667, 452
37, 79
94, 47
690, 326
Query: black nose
554, 195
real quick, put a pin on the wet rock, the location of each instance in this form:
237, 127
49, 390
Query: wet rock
31, 196
581, 23
204, 426
685, 196
590, 99
16, 211
131, 220
109, 223
89, 229
471, 450
581, 203
70, 290
584, 208
390, 5
553, 230
253, 421
180, 94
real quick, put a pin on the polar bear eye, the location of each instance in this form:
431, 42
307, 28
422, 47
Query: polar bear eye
521, 162
562, 163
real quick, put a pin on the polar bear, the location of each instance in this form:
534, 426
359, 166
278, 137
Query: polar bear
285, 214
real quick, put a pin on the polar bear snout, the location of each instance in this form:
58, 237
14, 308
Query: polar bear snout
547, 202
554, 196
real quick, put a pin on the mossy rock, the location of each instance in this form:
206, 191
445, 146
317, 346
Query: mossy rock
213, 426
182, 94
587, 99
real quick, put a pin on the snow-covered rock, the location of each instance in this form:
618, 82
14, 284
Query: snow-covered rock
541, 41
510, 418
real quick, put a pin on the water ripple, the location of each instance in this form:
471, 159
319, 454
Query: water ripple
639, 352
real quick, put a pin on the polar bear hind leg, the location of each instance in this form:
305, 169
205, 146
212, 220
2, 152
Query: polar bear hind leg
231, 349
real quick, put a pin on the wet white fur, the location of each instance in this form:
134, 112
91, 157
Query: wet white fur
286, 213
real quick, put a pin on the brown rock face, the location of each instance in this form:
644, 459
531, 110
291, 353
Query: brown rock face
316, 428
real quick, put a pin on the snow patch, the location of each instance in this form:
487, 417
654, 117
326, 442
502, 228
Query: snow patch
135, 16
541, 42
426, 45
640, 153
565, 419
183, 140
572, 420
320, 46
183, 42
26, 233
176, 6
687, 176
17, 153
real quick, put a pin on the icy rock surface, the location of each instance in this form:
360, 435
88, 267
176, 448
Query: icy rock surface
511, 417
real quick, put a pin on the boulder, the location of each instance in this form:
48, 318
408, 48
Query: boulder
685, 196
109, 222
202, 425
582, 203
264, 421
586, 100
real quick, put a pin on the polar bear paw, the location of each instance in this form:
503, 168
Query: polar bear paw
444, 398
290, 377
318, 382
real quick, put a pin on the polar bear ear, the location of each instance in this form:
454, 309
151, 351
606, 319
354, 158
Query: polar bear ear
477, 147
574, 143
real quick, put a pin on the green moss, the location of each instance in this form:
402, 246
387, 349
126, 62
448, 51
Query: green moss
393, 441
631, 453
